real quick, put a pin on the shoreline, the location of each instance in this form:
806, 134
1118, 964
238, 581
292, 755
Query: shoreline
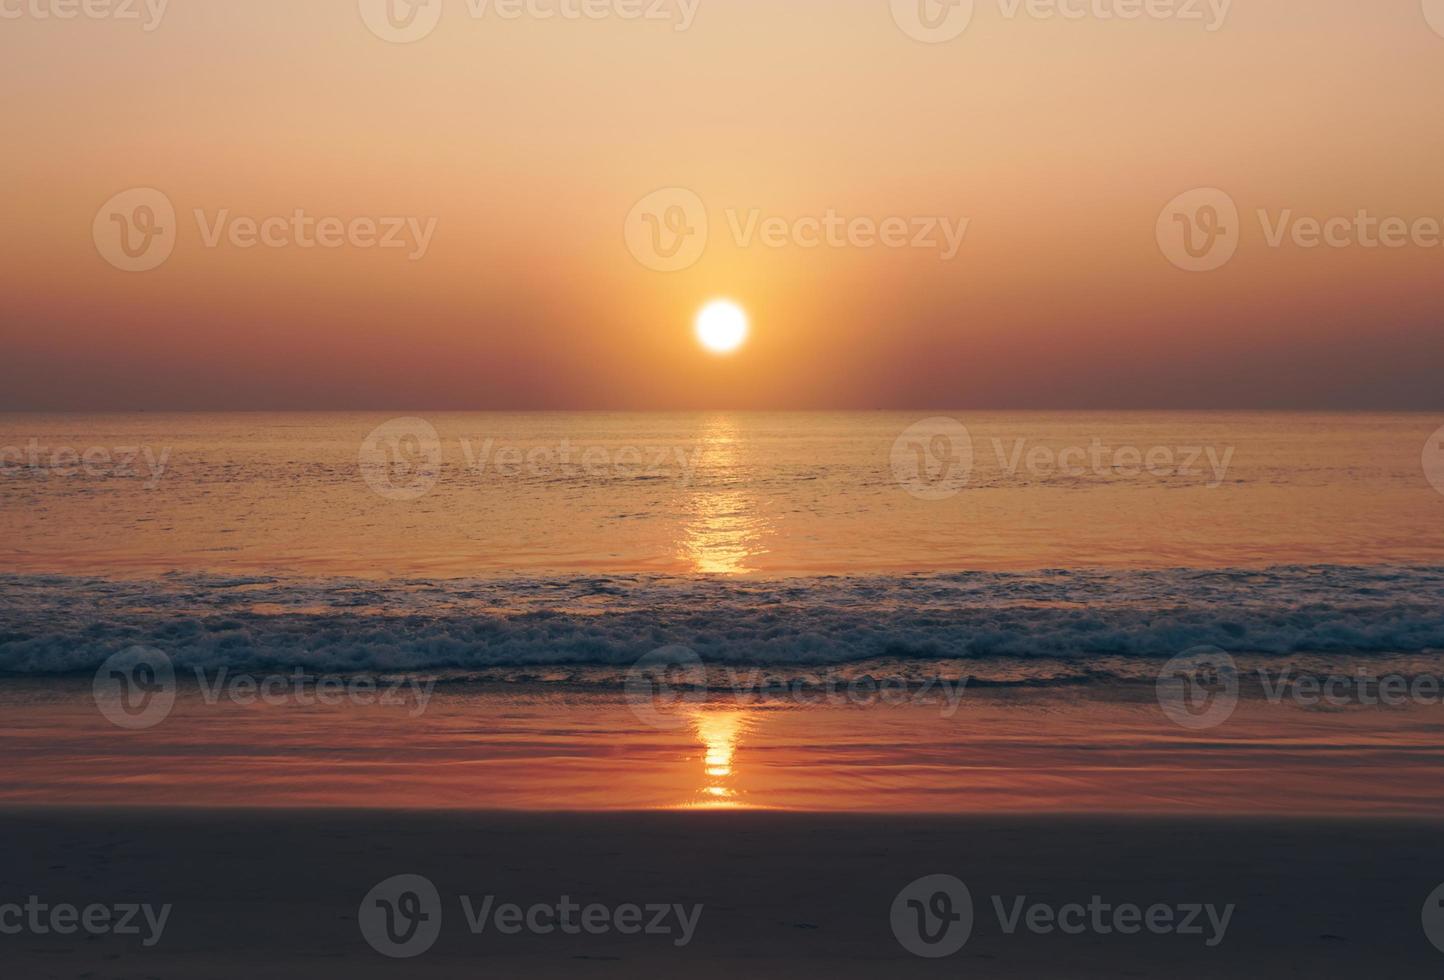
471, 748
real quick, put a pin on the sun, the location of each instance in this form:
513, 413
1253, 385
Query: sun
722, 326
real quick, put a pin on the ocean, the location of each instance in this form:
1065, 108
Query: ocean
457, 541
920, 612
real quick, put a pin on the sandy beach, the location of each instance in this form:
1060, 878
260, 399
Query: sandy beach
277, 893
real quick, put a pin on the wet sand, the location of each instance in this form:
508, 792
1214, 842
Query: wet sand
543, 748
276, 893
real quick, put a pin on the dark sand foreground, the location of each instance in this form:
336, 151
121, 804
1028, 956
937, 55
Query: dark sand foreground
276, 893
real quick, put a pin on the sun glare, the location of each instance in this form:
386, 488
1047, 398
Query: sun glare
722, 326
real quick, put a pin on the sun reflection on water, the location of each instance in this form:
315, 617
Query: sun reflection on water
724, 532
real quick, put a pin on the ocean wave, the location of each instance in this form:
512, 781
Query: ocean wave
51, 624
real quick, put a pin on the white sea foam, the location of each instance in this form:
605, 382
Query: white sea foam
57, 624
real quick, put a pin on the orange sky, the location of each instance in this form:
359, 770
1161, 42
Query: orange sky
528, 141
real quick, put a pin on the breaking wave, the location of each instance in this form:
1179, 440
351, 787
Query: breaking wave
63, 624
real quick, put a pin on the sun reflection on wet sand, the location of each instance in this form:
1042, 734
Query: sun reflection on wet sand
484, 749
724, 533
719, 731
